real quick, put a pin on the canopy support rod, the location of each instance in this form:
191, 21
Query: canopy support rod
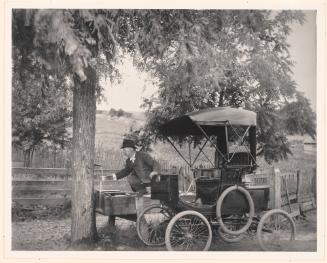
208, 159
253, 159
205, 134
242, 141
172, 144
243, 137
233, 128
200, 150
247, 149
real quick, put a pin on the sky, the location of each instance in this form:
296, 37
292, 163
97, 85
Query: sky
128, 94
303, 51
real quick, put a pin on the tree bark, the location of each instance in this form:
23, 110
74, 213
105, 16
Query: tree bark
27, 158
32, 154
221, 98
83, 228
54, 157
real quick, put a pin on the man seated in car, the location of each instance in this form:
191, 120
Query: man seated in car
139, 168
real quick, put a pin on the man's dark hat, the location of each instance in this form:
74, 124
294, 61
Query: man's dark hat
128, 144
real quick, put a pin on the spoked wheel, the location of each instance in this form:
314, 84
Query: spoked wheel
152, 223
252, 230
188, 231
235, 224
276, 231
229, 238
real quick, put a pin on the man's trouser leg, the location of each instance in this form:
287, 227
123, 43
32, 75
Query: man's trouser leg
136, 184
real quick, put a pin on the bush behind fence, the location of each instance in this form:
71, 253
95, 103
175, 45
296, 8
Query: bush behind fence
107, 158
113, 159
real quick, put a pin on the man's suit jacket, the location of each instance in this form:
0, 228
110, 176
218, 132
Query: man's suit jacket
141, 168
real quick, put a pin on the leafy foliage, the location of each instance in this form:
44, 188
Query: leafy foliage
49, 48
202, 58
299, 117
41, 104
247, 65
39, 117
71, 43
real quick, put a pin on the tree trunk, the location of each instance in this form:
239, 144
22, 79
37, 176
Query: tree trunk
27, 158
221, 98
31, 155
54, 157
83, 228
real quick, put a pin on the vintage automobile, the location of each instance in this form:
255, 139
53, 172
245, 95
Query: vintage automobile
231, 200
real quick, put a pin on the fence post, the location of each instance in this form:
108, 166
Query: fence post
275, 193
182, 180
298, 186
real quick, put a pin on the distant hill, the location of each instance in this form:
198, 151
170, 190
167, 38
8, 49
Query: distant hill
110, 133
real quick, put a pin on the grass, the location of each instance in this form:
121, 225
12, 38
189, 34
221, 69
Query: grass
110, 133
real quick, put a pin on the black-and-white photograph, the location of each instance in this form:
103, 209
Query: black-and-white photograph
163, 130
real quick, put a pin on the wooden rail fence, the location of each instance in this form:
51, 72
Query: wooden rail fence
293, 192
51, 186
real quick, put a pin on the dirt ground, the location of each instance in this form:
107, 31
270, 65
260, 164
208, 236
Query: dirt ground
53, 234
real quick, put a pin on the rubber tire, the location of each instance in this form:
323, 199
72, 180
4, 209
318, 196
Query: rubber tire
221, 234
138, 223
268, 214
176, 218
220, 202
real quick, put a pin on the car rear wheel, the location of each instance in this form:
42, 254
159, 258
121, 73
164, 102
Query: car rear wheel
276, 231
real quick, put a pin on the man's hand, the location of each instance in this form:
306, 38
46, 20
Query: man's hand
153, 173
109, 177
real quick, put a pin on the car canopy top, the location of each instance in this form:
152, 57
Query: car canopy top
209, 120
